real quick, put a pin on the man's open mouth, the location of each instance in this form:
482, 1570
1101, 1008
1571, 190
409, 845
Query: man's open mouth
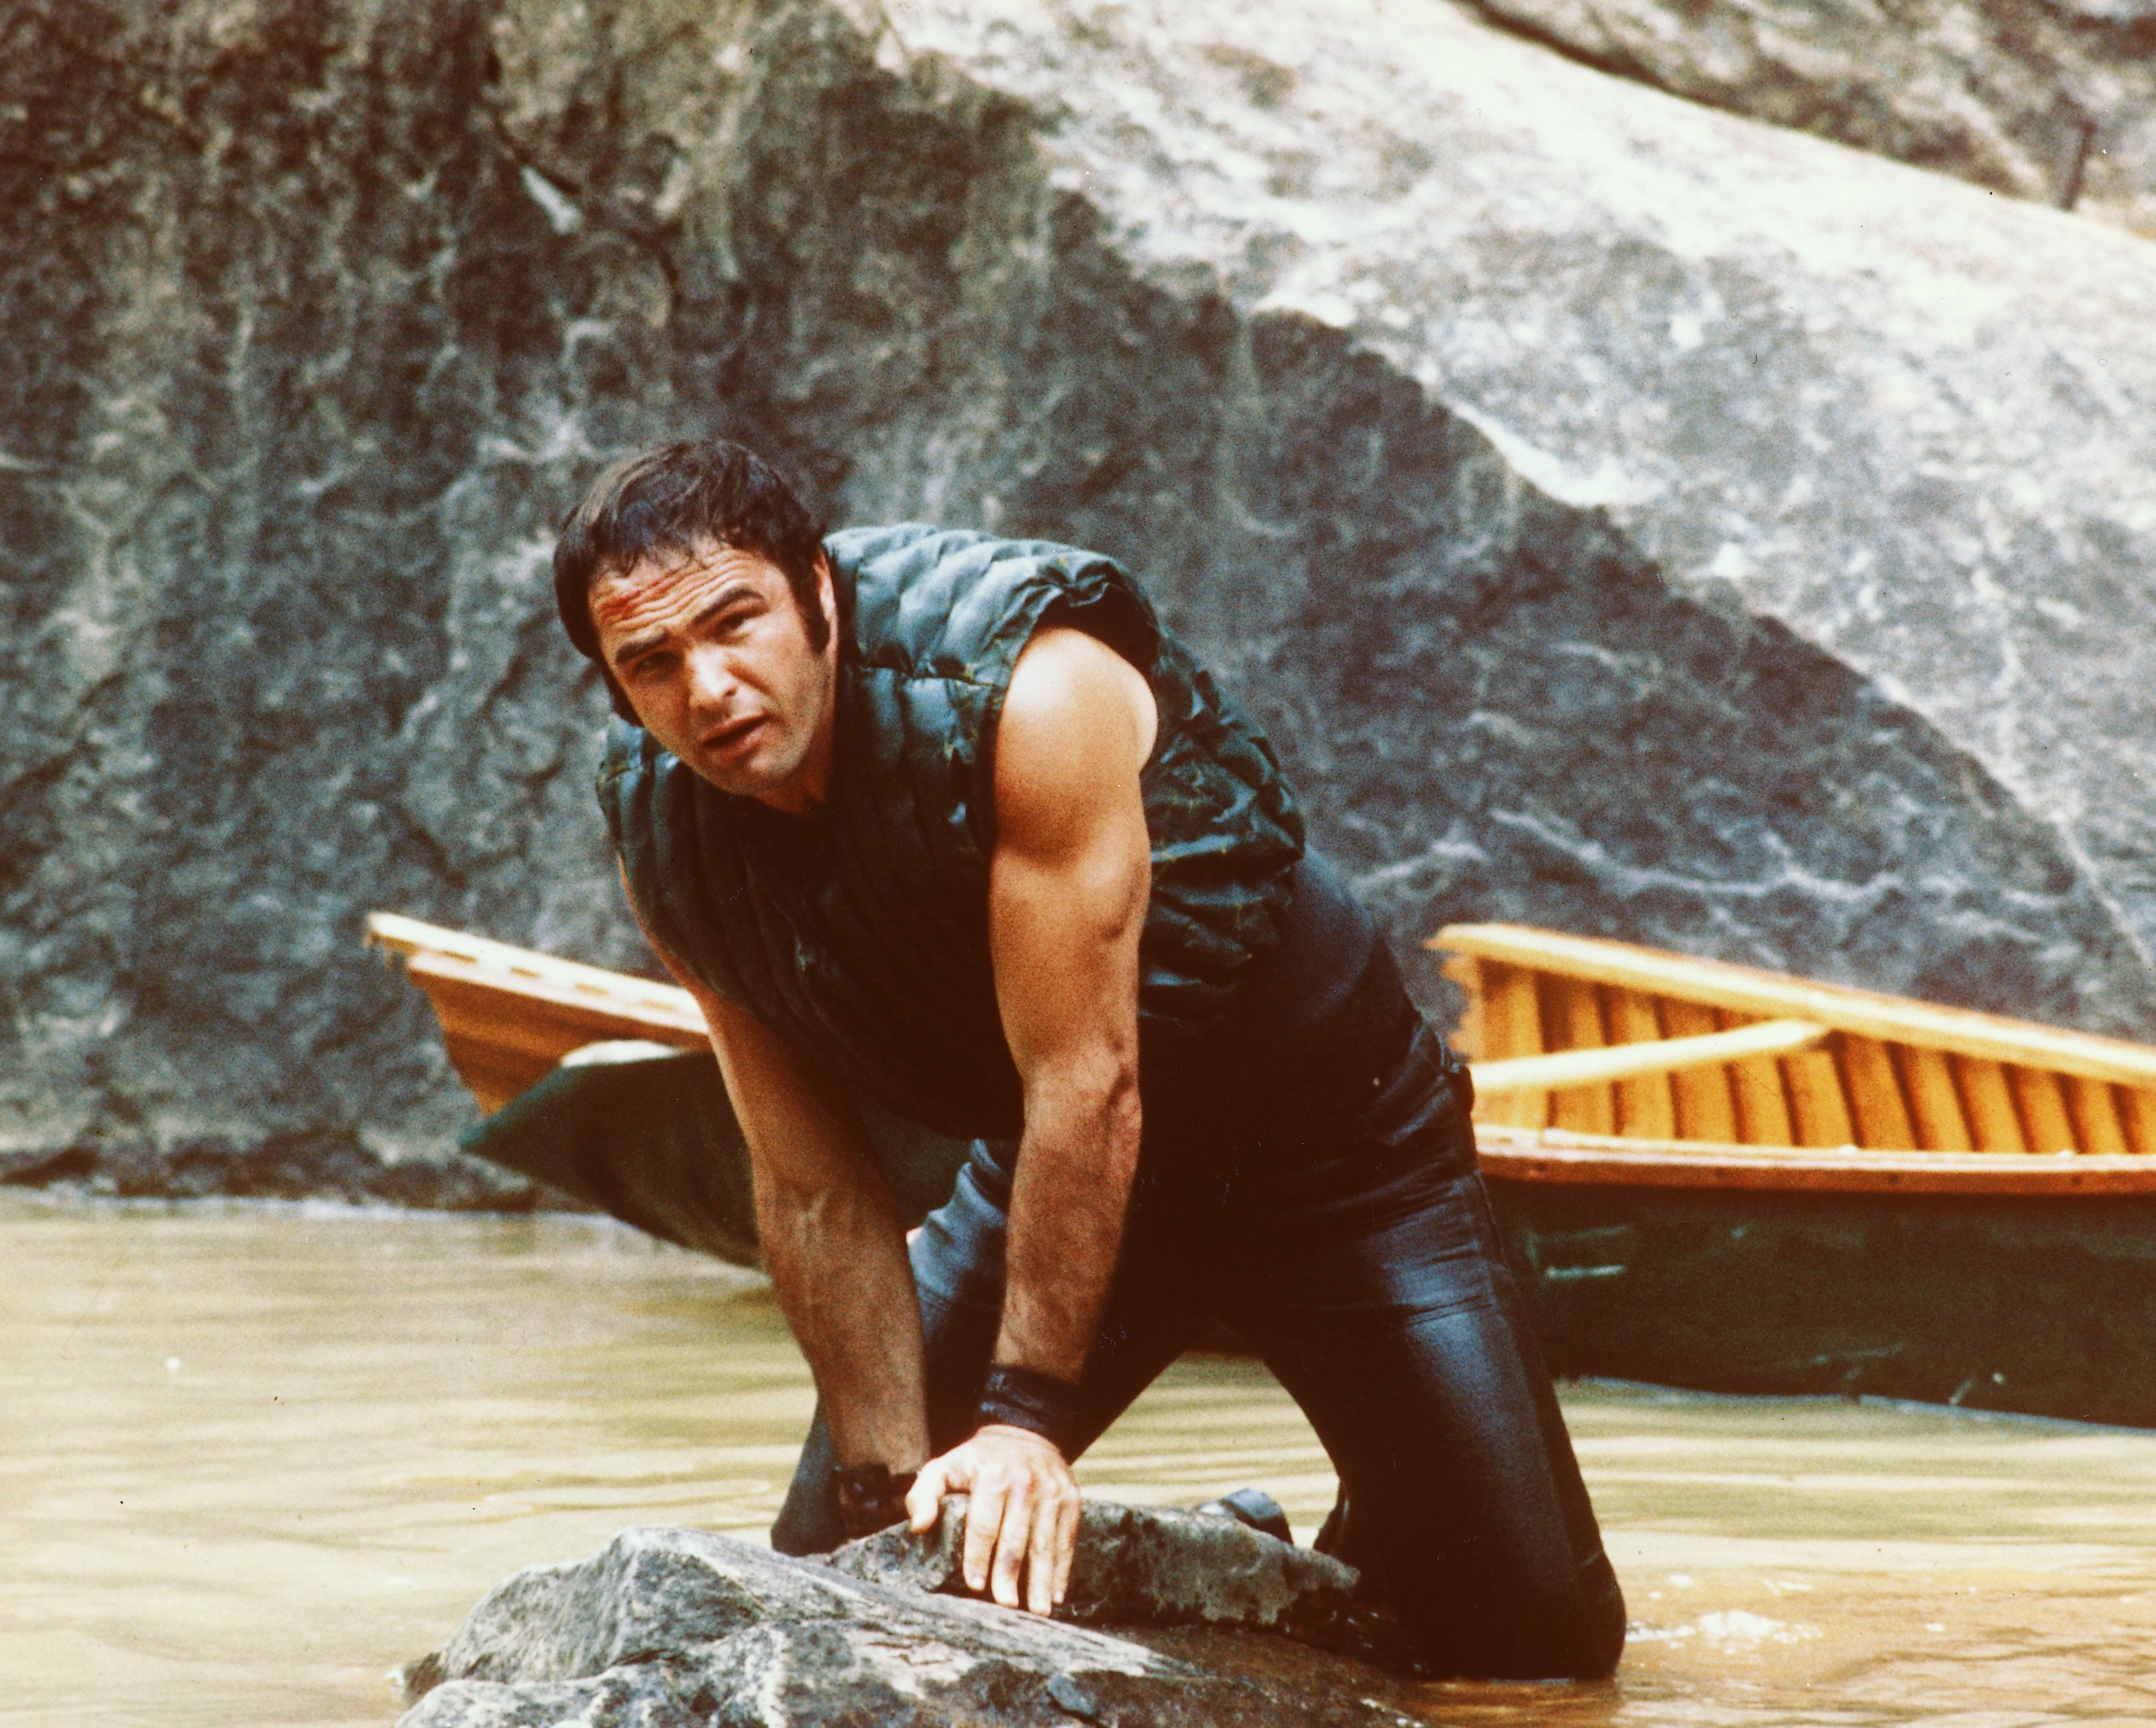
725, 740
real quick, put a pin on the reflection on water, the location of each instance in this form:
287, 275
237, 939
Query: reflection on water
253, 1458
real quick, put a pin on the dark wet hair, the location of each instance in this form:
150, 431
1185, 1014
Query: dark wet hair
659, 503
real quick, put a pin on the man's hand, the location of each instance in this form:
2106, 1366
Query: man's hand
1024, 1514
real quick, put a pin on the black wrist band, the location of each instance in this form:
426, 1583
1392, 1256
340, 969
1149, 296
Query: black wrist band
1026, 1399
872, 1499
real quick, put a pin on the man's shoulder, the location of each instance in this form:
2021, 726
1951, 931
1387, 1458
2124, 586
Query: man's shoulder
957, 602
624, 751
909, 557
895, 551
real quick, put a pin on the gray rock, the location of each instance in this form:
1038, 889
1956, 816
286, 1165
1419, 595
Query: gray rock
1142, 1566
2049, 100
668, 1626
1624, 516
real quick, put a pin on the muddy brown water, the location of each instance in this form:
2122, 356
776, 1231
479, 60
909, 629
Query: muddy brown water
254, 1457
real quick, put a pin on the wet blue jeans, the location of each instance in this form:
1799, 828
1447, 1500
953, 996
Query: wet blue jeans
1317, 1194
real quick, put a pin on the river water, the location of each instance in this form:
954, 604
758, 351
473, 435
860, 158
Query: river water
255, 1457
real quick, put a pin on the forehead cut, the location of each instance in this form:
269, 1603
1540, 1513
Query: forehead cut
653, 593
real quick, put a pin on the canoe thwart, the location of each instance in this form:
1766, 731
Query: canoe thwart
1624, 1062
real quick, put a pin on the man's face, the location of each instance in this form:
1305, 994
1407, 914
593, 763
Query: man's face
714, 655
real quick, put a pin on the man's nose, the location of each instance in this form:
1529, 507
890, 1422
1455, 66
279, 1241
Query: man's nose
710, 677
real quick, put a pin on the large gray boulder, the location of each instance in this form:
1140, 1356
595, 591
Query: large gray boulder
2049, 100
668, 1626
1625, 516
1824, 402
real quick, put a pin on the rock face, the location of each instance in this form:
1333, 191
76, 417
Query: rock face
2049, 100
1624, 516
668, 1626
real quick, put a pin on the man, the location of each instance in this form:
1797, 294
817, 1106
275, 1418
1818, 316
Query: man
949, 822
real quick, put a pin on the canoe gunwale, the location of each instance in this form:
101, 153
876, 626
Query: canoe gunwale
612, 1016
432, 950
1558, 1156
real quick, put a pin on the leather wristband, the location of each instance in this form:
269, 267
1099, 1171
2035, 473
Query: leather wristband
1026, 1399
872, 1499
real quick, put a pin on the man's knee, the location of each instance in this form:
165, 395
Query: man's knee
1594, 1638
800, 1532
1495, 1620
1580, 1637
1499, 1619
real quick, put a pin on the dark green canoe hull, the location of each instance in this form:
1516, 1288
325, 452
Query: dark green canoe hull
2044, 1305
654, 1143
2041, 1306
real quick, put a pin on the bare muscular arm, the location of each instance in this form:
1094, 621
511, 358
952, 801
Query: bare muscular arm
833, 1239
1068, 887
1067, 894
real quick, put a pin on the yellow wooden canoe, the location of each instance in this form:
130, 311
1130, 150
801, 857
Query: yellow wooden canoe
1703, 1175
1846, 1089
1595, 1062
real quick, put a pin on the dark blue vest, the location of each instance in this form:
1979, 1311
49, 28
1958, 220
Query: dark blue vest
864, 933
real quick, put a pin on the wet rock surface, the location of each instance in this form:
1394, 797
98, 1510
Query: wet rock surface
1624, 516
675, 1625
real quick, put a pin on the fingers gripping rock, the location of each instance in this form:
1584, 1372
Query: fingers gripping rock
1136, 1566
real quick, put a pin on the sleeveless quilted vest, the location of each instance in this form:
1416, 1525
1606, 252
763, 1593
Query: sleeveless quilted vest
864, 932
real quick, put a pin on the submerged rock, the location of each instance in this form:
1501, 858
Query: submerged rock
677, 1626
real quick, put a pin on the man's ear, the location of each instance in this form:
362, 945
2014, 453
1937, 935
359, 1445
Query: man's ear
827, 597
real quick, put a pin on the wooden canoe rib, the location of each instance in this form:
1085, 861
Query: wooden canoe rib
1892, 1094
